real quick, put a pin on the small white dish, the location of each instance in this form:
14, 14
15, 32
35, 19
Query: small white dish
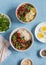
41, 53
12, 44
20, 6
30, 61
8, 19
37, 30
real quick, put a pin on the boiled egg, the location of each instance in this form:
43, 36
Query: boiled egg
40, 35
43, 28
33, 11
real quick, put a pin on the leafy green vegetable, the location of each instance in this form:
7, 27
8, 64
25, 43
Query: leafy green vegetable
14, 38
29, 8
18, 46
25, 12
4, 23
23, 18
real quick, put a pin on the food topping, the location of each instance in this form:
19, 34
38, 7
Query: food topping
27, 62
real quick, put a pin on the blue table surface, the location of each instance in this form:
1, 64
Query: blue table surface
8, 7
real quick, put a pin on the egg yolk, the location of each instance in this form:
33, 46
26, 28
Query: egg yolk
43, 28
40, 35
33, 10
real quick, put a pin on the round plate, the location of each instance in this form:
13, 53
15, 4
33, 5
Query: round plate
37, 30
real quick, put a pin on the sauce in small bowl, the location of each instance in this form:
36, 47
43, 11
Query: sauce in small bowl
43, 53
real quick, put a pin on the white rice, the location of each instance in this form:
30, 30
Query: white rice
24, 33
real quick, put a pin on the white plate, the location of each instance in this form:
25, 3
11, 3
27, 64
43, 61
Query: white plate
37, 30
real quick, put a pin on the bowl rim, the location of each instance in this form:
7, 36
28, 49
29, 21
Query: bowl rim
14, 32
8, 19
41, 51
26, 59
21, 5
36, 34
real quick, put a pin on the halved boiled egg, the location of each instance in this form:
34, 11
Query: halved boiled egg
33, 11
43, 28
40, 35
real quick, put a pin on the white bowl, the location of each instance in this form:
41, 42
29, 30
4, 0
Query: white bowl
41, 53
36, 31
9, 21
21, 5
26, 59
12, 44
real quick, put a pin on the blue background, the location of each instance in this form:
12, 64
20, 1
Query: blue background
8, 7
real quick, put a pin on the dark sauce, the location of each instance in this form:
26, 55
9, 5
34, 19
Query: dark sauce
44, 52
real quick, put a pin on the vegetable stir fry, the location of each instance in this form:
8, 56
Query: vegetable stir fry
20, 42
26, 12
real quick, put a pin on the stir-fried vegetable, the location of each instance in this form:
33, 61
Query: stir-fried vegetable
25, 9
29, 8
20, 42
4, 23
23, 18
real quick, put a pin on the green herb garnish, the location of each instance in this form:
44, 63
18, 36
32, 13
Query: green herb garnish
23, 18
18, 46
4, 23
29, 8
